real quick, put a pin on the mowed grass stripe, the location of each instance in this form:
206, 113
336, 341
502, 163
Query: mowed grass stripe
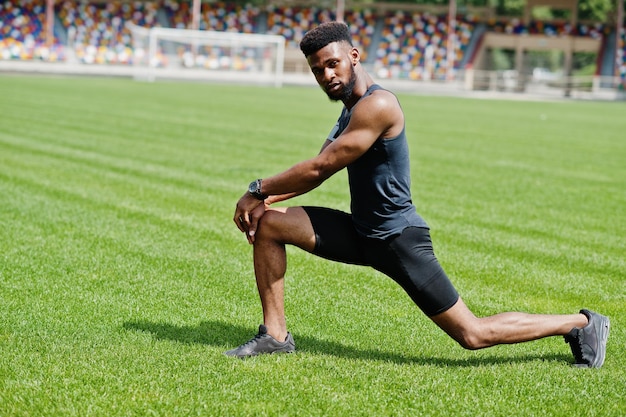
75, 163
104, 206
112, 138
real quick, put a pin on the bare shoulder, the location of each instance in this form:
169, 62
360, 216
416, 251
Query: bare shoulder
382, 108
379, 102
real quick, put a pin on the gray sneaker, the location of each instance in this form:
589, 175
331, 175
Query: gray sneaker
263, 343
589, 343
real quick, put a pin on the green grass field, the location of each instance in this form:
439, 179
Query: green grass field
123, 278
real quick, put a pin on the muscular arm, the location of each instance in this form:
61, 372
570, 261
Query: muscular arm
378, 115
282, 197
375, 116
271, 199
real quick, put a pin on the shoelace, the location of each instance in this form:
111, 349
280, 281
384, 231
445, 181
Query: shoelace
254, 339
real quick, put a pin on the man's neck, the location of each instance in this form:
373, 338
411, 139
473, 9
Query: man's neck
363, 82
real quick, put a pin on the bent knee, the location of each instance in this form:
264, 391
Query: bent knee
287, 226
270, 222
469, 344
270, 218
471, 340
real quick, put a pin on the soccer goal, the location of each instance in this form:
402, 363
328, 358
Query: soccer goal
200, 54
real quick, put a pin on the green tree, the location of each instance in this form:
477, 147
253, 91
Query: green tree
598, 10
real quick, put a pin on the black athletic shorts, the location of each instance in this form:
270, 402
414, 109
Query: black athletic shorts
408, 258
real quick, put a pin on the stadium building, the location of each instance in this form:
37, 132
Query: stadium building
450, 48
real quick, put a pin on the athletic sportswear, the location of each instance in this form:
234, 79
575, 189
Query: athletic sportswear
263, 343
588, 344
380, 183
408, 258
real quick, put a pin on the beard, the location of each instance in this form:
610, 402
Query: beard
346, 91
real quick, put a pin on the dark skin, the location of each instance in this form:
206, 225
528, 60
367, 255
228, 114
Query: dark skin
270, 229
379, 115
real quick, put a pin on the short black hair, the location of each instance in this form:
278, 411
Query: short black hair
322, 35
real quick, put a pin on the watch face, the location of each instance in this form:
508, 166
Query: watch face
253, 188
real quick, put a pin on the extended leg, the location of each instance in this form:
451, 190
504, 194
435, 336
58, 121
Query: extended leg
472, 332
586, 332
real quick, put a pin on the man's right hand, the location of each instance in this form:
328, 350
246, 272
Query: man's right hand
247, 214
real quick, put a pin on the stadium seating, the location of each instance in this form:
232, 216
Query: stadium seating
408, 45
414, 45
540, 27
565, 29
362, 26
622, 70
220, 16
508, 26
99, 32
21, 32
595, 31
293, 22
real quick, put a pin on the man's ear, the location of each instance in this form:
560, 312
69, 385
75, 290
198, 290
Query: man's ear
355, 56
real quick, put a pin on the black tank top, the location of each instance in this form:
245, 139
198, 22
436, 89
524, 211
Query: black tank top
380, 184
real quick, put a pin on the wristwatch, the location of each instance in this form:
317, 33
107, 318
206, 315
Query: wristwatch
255, 190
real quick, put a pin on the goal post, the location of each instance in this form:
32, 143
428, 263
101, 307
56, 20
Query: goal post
201, 54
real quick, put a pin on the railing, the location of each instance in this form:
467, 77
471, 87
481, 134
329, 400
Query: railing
561, 86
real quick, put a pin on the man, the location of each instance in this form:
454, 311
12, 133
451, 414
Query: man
383, 229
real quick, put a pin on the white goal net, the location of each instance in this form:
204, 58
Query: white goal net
200, 54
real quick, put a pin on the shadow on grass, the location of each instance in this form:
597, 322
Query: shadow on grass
225, 335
